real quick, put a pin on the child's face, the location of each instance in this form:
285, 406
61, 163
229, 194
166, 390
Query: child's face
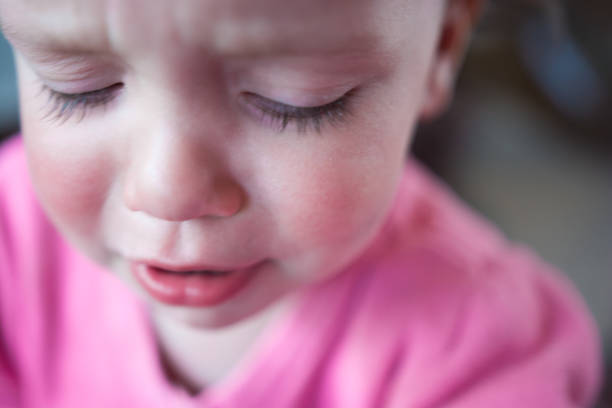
190, 147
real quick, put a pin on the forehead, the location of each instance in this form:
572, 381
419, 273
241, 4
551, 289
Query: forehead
225, 26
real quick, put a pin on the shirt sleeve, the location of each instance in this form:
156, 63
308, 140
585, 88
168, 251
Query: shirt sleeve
522, 338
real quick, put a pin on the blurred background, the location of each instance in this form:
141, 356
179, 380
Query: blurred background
527, 141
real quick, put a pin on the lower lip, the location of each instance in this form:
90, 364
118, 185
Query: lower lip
191, 290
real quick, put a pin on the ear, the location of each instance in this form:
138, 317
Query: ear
457, 25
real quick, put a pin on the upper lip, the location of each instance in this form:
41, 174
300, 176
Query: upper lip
185, 267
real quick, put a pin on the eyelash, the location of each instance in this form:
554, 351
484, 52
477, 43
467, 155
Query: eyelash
279, 115
64, 106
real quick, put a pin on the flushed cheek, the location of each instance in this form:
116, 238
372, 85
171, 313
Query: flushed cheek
335, 211
71, 179
74, 194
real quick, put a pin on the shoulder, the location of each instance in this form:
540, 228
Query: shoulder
12, 180
29, 247
458, 304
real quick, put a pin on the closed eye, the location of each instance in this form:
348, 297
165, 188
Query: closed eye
276, 114
280, 115
65, 105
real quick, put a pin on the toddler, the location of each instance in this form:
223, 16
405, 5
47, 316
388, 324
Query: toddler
211, 206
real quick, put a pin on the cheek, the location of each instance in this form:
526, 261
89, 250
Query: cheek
337, 206
71, 185
333, 215
70, 170
348, 192
331, 202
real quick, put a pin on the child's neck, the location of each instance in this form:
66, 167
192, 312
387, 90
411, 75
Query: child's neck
197, 358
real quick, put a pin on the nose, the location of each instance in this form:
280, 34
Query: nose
178, 180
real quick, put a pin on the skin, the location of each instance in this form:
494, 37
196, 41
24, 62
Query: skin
180, 168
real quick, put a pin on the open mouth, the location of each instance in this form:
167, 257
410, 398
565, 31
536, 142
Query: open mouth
192, 287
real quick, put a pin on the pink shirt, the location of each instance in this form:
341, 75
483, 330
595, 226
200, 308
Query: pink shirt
440, 311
